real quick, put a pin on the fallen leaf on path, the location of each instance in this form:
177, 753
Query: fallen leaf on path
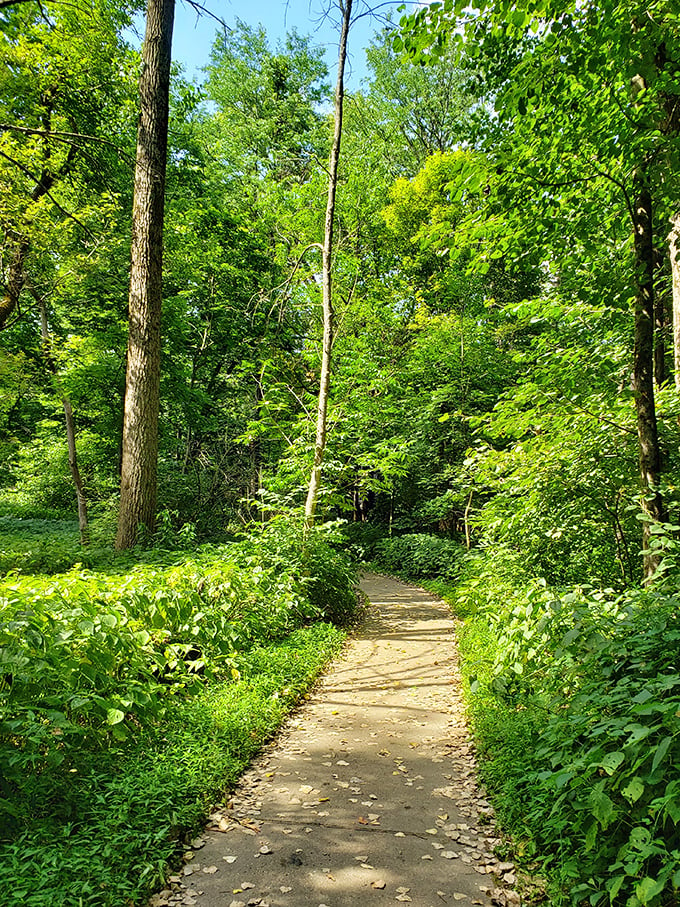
266, 849
403, 897
449, 854
431, 831
209, 870
379, 883
284, 889
366, 866
399, 834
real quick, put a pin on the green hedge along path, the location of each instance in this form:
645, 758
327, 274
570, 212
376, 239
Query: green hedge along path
369, 795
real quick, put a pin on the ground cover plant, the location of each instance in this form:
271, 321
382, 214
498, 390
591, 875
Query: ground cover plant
130, 699
575, 703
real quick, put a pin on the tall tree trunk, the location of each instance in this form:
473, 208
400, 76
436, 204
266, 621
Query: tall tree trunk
83, 523
674, 255
328, 311
643, 368
139, 465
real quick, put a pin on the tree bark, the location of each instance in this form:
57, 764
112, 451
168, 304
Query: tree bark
327, 286
674, 255
643, 369
142, 385
15, 278
83, 522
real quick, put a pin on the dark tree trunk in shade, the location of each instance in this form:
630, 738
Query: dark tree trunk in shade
140, 420
643, 367
83, 523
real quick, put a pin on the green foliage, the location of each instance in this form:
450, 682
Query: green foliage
576, 704
87, 659
106, 833
419, 555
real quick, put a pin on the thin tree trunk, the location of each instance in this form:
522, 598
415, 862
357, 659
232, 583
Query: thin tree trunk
83, 523
328, 311
660, 320
643, 370
15, 278
674, 255
142, 386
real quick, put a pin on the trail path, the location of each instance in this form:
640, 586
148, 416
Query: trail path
368, 796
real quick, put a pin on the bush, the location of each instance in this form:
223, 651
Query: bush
420, 556
87, 659
104, 834
576, 707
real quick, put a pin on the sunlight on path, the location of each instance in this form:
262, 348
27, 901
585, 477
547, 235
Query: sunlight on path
369, 795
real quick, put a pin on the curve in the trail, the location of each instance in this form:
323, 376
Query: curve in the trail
369, 794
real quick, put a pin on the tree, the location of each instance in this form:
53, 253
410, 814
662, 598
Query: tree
327, 262
571, 118
142, 387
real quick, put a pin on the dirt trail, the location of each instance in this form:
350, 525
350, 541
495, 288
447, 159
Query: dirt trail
369, 795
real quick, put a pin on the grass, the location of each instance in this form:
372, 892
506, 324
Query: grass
109, 830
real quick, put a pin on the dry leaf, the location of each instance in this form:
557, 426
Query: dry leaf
229, 859
379, 883
449, 854
209, 870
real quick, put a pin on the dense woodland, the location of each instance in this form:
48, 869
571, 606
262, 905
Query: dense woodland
468, 337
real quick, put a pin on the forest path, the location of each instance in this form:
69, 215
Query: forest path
368, 795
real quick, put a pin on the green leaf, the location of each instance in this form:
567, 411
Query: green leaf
601, 807
648, 889
114, 716
660, 753
612, 761
634, 790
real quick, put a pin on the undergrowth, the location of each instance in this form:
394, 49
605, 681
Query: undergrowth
130, 698
575, 703
105, 833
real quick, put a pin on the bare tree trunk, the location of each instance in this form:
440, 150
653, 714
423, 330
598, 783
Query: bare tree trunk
674, 255
643, 369
83, 523
328, 311
139, 465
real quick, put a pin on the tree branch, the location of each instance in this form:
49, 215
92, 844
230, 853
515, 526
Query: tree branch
46, 192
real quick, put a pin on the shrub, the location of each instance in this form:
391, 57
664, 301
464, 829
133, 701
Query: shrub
576, 706
418, 555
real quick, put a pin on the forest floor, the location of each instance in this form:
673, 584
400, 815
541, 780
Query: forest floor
369, 794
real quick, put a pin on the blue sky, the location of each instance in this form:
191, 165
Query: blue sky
193, 35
